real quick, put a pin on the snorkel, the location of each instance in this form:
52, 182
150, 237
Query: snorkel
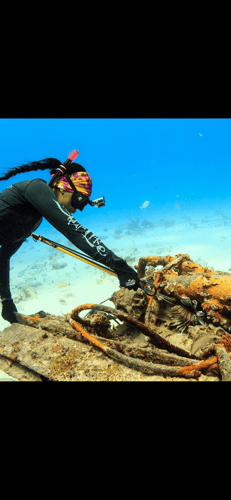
79, 200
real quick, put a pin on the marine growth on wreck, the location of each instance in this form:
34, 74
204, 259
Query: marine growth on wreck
182, 331
204, 294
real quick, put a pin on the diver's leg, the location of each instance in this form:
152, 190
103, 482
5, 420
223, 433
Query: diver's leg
8, 306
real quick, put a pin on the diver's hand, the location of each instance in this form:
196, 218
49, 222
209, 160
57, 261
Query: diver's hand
131, 283
131, 280
8, 309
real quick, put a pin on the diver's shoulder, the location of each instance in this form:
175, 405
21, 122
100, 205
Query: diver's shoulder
34, 186
37, 180
27, 183
34, 183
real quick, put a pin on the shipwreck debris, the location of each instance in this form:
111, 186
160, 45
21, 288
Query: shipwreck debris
224, 362
173, 340
182, 278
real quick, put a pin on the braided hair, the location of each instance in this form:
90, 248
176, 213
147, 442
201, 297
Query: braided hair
48, 163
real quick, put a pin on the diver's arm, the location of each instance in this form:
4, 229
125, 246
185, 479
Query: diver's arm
43, 199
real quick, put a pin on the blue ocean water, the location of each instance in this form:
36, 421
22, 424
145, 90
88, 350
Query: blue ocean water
181, 167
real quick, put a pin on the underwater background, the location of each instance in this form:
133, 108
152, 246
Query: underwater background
166, 184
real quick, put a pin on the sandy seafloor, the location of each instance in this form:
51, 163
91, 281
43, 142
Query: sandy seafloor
43, 278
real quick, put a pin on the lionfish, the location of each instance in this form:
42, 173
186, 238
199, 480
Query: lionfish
184, 315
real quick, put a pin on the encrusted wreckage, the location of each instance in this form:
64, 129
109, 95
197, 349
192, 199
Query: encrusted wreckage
204, 295
183, 331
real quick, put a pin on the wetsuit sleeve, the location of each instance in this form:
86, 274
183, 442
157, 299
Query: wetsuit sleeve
6, 251
42, 198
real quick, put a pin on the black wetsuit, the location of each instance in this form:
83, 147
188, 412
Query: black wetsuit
22, 207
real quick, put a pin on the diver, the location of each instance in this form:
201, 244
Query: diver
23, 206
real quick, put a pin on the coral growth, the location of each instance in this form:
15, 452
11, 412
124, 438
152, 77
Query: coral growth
181, 331
211, 290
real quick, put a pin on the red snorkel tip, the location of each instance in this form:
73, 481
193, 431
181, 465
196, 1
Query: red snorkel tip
73, 155
70, 158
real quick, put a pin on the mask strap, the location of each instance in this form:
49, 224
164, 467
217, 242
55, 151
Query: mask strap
70, 182
59, 171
